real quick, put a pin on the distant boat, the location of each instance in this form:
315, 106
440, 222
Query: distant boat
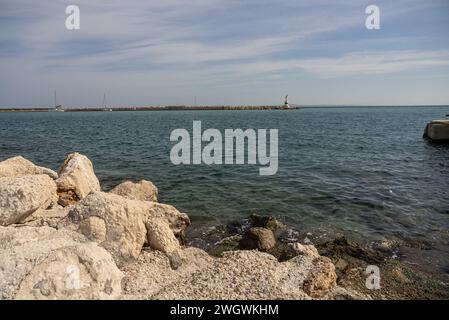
104, 104
58, 107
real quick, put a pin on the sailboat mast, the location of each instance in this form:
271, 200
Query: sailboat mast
104, 100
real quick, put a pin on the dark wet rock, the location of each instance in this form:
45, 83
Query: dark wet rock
268, 222
288, 235
238, 226
345, 248
222, 238
258, 238
227, 244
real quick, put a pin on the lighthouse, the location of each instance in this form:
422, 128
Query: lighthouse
286, 105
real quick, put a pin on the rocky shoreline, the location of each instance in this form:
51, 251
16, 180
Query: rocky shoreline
62, 237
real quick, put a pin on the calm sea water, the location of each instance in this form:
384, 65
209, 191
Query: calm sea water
366, 172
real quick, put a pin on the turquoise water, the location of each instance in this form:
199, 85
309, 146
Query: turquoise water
360, 171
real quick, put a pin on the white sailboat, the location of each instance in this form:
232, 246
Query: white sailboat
104, 104
58, 107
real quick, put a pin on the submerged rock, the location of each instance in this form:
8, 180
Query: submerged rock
21, 196
45, 263
343, 247
143, 190
76, 179
19, 166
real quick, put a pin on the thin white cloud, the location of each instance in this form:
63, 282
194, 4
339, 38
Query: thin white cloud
214, 42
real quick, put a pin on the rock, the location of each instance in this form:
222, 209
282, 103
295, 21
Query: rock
339, 293
238, 275
154, 270
142, 190
341, 265
321, 279
258, 238
177, 221
94, 228
160, 236
45, 263
399, 275
306, 249
345, 248
291, 250
268, 222
76, 179
116, 223
241, 275
437, 130
175, 260
21, 196
19, 166
120, 225
223, 245
46, 217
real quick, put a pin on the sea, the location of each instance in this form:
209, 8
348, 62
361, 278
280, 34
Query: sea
365, 172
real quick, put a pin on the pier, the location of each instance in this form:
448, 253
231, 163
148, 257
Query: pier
155, 108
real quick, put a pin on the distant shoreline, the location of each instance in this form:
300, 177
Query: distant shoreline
205, 108
152, 108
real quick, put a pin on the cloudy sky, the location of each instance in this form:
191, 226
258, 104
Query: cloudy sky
224, 52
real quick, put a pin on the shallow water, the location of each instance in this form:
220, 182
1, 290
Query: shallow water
366, 172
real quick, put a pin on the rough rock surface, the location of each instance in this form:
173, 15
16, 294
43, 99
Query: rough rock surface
120, 225
258, 238
294, 249
142, 190
321, 278
238, 275
76, 179
160, 236
21, 196
268, 222
47, 217
152, 272
45, 263
178, 221
19, 166
116, 223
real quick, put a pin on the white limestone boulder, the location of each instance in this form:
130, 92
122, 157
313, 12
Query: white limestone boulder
76, 179
143, 190
45, 263
21, 196
19, 166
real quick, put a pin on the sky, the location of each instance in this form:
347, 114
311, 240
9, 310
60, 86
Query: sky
224, 52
